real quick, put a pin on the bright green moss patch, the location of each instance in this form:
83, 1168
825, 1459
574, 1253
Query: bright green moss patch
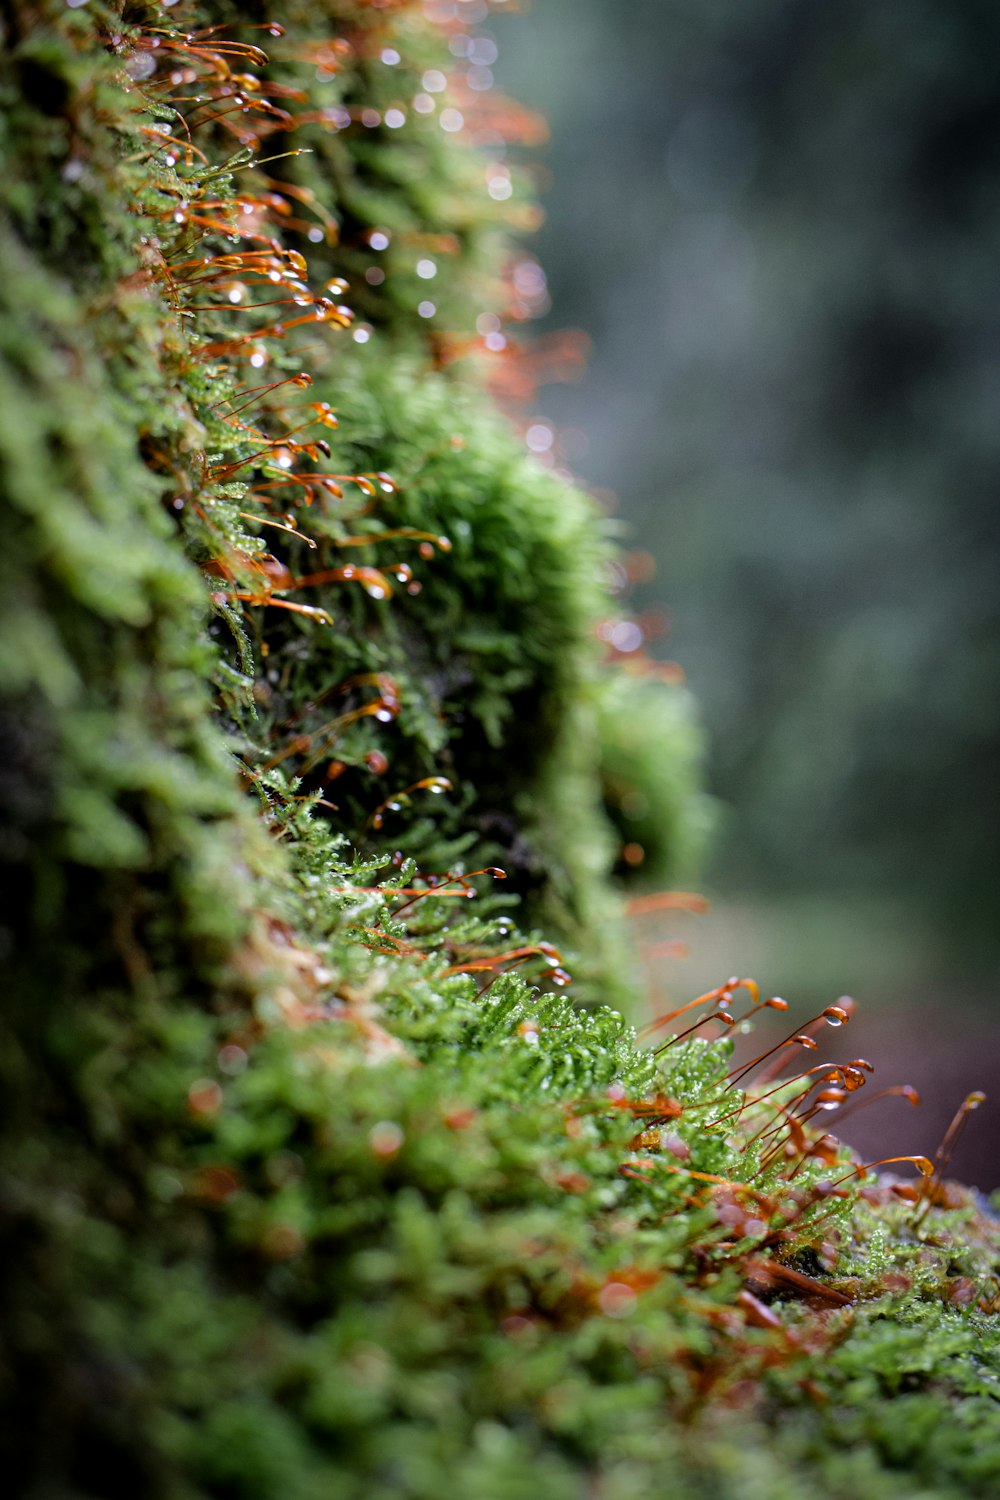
315, 1179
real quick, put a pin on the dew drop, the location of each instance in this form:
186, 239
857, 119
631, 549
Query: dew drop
140, 66
616, 1299
232, 1059
204, 1096
483, 51
539, 437
385, 1138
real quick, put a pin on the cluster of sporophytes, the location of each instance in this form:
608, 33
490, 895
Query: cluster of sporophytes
315, 1179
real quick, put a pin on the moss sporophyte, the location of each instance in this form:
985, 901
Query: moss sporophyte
321, 713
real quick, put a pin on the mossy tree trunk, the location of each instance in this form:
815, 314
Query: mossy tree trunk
315, 1181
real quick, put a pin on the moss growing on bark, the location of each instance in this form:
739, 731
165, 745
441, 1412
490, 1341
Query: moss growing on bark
314, 1178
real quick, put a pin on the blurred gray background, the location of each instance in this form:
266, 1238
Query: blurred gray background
779, 223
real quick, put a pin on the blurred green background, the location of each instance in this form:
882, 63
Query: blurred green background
779, 223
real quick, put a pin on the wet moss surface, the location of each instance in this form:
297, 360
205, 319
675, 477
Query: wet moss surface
315, 1180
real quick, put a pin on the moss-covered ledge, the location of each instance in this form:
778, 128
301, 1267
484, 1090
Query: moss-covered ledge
315, 1180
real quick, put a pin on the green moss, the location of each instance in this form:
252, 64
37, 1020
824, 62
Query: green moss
314, 1181
651, 754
